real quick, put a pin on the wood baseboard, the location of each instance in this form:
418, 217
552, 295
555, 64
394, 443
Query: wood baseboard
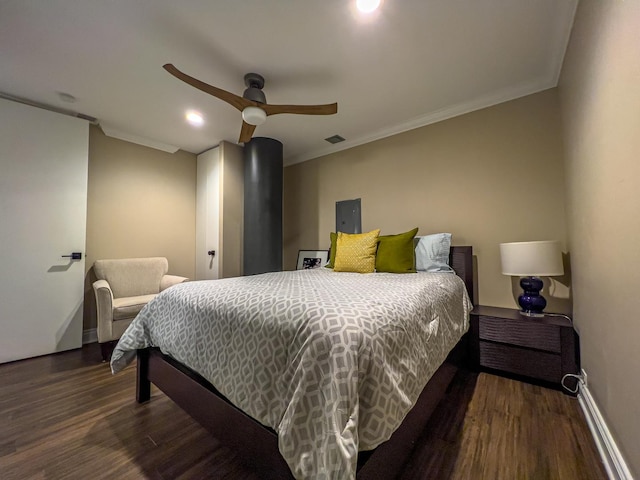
612, 459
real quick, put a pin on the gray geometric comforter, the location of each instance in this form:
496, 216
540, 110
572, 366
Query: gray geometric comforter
332, 361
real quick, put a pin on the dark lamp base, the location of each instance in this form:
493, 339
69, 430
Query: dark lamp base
531, 302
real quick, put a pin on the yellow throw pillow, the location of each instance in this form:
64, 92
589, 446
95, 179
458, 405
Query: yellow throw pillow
356, 252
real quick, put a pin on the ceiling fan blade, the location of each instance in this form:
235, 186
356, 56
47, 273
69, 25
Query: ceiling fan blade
232, 99
246, 132
328, 109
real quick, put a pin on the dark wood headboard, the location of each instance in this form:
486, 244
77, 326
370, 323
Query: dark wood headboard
461, 260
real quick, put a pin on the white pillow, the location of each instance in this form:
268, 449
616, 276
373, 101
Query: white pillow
432, 253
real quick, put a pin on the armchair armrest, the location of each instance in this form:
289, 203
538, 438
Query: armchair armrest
104, 310
171, 280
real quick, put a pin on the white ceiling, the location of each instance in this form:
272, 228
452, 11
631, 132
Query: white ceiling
412, 63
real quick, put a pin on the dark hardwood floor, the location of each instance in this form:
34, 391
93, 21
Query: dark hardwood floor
65, 416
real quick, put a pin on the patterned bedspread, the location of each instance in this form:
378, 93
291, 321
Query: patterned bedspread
331, 361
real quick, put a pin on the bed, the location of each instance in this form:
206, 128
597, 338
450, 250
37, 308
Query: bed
331, 407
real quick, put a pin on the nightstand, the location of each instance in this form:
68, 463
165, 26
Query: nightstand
541, 350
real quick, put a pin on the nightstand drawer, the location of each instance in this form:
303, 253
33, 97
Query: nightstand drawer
524, 333
535, 364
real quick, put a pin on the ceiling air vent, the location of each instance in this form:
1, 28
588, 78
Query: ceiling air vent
335, 139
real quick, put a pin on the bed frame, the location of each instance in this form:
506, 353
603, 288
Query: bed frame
233, 427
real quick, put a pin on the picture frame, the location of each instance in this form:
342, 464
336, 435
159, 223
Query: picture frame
312, 259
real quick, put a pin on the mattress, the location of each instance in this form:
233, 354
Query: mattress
332, 361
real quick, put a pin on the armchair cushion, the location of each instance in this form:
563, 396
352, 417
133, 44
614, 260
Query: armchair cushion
129, 307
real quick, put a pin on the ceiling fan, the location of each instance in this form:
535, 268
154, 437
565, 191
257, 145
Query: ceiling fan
253, 103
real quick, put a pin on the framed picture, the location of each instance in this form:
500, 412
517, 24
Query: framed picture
312, 259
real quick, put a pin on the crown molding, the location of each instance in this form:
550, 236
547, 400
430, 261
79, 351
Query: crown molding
130, 137
432, 117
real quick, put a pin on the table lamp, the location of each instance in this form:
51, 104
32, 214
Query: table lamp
531, 260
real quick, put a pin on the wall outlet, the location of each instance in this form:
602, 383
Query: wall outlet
584, 377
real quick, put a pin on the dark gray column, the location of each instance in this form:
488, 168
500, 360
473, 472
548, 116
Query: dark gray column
262, 206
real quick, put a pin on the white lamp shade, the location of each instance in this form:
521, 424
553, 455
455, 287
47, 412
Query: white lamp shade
537, 259
254, 115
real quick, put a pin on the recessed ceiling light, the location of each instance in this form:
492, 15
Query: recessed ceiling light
368, 6
194, 118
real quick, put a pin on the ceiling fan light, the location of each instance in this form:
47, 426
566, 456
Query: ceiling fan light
254, 115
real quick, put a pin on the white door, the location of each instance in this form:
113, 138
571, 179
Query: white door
208, 196
43, 208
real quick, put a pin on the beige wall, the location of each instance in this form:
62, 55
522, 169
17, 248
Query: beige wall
141, 203
600, 103
487, 177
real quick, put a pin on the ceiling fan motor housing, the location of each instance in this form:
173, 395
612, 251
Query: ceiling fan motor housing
255, 83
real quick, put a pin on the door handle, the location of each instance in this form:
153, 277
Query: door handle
212, 253
74, 256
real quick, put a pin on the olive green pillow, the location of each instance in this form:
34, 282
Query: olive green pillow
396, 253
332, 250
356, 252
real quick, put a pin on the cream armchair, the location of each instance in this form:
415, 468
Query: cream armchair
123, 288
